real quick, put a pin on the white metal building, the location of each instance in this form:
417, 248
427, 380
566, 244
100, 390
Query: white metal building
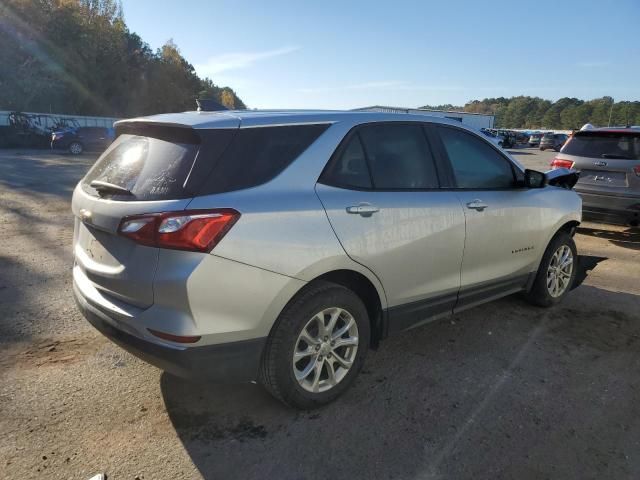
475, 120
46, 120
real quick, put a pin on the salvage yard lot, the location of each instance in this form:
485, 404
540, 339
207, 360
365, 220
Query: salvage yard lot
505, 390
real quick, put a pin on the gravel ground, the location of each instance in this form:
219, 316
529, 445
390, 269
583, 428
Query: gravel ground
502, 391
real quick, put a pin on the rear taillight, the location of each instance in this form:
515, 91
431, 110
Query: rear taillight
560, 163
636, 170
193, 230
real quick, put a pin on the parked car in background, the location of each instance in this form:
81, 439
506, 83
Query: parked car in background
609, 163
281, 246
509, 138
80, 139
534, 139
553, 141
522, 138
493, 136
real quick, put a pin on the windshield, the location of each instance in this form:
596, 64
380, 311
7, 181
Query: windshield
622, 145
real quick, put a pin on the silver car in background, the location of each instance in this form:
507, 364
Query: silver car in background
609, 163
280, 246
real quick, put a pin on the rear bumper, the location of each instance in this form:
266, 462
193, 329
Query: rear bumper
226, 363
610, 208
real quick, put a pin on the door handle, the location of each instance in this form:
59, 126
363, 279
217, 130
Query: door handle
364, 209
478, 205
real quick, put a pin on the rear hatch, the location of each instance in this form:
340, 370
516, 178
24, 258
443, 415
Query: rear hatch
148, 169
609, 160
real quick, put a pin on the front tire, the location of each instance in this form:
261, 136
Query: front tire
76, 148
557, 272
317, 346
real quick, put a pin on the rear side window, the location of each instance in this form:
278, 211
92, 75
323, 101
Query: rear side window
475, 164
613, 145
151, 168
399, 156
257, 155
350, 169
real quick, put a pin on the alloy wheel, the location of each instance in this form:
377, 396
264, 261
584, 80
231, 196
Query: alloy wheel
559, 271
325, 350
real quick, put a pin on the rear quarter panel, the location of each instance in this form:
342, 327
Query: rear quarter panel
285, 232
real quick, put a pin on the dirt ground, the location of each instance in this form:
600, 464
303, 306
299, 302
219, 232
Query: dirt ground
502, 391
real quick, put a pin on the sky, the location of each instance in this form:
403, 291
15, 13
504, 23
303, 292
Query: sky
349, 54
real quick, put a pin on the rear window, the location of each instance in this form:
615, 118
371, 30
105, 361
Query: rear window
257, 155
614, 145
150, 168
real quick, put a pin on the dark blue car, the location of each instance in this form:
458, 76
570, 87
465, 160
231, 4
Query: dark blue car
80, 139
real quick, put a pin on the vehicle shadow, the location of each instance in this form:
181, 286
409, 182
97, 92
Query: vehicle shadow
518, 152
490, 393
586, 263
628, 238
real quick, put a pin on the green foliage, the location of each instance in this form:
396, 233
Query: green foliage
79, 57
566, 113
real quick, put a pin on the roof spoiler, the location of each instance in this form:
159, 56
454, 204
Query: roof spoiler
209, 105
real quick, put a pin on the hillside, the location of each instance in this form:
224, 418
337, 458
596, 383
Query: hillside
79, 57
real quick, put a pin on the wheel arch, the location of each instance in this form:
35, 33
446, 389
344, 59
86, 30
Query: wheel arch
368, 293
567, 225
369, 290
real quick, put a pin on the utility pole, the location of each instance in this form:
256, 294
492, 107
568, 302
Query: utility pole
611, 111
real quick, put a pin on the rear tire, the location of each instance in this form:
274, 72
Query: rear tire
557, 272
331, 360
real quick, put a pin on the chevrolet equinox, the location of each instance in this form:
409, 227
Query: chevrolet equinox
279, 246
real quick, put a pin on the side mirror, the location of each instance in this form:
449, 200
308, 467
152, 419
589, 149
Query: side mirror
534, 179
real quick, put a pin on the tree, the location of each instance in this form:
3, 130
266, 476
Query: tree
79, 57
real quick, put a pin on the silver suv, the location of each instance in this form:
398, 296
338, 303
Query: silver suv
280, 246
609, 163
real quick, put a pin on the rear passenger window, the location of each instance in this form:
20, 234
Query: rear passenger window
399, 156
475, 164
257, 155
350, 168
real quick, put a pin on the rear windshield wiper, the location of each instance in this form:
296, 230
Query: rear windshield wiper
614, 156
106, 187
